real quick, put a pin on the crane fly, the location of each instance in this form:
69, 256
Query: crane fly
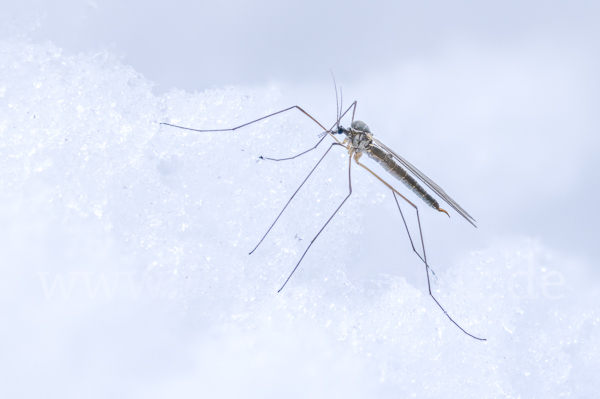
358, 140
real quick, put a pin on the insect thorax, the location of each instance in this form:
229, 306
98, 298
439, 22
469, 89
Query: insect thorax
359, 136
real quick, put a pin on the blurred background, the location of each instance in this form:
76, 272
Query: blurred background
496, 101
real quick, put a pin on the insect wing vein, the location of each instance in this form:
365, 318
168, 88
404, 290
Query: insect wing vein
430, 183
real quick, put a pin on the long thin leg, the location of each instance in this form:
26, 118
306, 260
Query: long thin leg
353, 105
424, 258
293, 195
337, 123
251, 122
408, 232
322, 135
295, 156
326, 223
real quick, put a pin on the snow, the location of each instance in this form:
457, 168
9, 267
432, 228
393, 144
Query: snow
125, 268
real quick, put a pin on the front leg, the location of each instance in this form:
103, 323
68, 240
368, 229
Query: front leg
357, 156
296, 156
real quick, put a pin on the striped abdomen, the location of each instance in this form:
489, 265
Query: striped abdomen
392, 167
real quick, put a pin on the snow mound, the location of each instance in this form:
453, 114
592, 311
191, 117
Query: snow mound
126, 272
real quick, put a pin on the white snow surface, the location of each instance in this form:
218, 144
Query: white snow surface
125, 268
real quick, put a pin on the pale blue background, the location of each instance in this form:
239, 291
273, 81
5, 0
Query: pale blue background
496, 101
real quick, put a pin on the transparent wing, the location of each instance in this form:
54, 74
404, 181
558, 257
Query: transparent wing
430, 183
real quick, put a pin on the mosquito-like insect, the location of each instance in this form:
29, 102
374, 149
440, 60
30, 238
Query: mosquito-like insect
358, 141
